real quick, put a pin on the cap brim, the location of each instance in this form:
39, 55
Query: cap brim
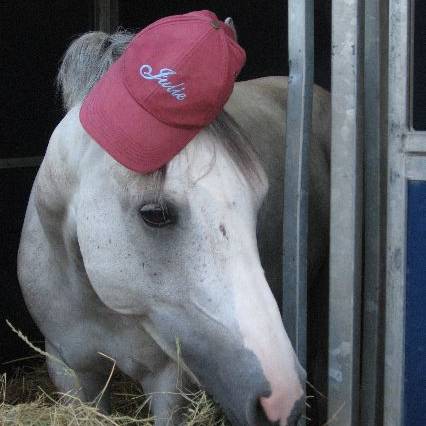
125, 130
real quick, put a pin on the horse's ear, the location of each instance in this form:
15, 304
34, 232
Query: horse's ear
229, 21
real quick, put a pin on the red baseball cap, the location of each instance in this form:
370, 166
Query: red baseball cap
172, 80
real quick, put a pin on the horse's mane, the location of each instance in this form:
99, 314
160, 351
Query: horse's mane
89, 57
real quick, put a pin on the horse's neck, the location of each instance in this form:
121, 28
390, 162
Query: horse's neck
258, 107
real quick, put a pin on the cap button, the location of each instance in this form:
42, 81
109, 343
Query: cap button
215, 24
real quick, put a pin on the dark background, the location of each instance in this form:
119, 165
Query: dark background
419, 71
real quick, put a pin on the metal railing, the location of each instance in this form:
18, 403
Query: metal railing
296, 179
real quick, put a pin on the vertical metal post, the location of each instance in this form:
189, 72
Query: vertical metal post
105, 15
298, 132
374, 211
399, 54
346, 213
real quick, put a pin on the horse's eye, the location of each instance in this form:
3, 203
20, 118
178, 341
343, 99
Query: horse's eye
156, 215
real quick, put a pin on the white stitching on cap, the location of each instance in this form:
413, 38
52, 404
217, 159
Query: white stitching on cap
177, 90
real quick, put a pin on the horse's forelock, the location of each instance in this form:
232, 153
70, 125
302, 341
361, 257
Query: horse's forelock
237, 145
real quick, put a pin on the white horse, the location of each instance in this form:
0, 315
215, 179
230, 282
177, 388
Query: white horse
126, 265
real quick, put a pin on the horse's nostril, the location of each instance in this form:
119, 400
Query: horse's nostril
296, 412
294, 421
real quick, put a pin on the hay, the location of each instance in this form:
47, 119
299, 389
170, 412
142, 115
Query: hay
28, 397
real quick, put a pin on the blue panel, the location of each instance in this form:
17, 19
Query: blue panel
415, 325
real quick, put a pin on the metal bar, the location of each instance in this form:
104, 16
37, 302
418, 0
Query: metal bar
13, 163
398, 111
298, 132
374, 210
106, 15
346, 213
415, 167
415, 142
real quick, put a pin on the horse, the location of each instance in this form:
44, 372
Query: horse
171, 274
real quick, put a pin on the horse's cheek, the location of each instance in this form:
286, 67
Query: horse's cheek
113, 268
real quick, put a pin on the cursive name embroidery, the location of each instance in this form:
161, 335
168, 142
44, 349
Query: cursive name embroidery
177, 91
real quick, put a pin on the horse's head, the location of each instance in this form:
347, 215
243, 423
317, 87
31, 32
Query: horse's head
178, 248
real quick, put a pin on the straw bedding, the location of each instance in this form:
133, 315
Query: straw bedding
27, 397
